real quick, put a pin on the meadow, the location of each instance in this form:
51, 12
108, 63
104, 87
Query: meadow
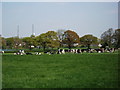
93, 70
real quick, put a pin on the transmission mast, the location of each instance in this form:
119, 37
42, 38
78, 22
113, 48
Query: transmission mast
18, 31
33, 29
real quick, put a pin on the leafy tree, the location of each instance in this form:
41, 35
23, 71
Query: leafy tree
43, 40
53, 39
28, 42
87, 40
107, 38
2, 42
70, 38
48, 39
32, 36
13, 42
116, 37
17, 42
10, 42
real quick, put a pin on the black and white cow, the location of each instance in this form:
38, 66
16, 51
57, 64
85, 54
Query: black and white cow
61, 51
37, 53
20, 52
28, 53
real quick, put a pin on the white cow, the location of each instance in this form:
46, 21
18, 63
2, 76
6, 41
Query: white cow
3, 52
21, 52
37, 53
63, 51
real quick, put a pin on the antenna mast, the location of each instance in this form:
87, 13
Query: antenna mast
18, 31
32, 29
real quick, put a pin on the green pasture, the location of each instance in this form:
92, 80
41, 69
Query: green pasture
94, 70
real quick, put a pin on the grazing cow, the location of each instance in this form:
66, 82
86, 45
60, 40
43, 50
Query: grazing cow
20, 52
91, 50
48, 53
2, 52
72, 50
84, 50
28, 53
75, 50
45, 52
107, 50
79, 51
17, 53
61, 51
98, 50
112, 50
37, 53
103, 50
66, 50
52, 52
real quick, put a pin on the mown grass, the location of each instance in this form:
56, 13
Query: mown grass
60, 71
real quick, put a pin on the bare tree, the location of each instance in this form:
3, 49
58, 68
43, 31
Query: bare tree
107, 38
60, 34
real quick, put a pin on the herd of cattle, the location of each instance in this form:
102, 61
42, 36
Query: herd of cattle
63, 51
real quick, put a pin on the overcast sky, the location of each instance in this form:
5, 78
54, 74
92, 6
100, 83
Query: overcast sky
82, 17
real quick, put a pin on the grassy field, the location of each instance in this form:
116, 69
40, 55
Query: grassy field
60, 71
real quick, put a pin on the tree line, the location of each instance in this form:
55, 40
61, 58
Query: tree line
63, 38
